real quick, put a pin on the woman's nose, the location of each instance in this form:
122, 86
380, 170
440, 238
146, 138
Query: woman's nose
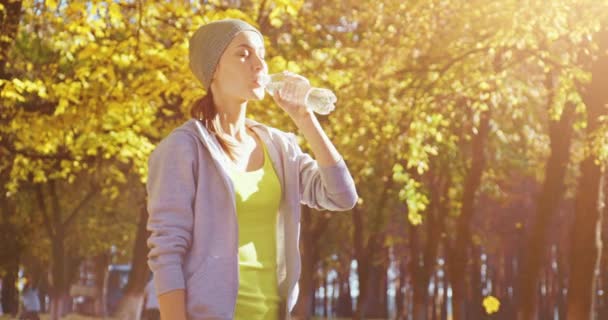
258, 63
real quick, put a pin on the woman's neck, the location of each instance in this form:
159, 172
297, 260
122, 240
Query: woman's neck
232, 115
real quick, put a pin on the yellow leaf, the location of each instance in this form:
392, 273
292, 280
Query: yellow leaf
114, 12
276, 22
62, 106
19, 85
12, 95
75, 7
414, 218
51, 4
491, 304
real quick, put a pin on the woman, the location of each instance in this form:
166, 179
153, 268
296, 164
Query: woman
224, 192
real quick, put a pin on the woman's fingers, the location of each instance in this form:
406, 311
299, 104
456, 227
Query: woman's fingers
288, 91
296, 87
290, 96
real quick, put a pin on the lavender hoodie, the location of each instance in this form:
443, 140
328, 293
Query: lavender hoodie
193, 223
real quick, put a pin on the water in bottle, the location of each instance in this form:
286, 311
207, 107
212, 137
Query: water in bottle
319, 100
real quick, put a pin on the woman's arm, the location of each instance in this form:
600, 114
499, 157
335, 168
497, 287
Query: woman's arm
325, 183
324, 150
172, 305
171, 187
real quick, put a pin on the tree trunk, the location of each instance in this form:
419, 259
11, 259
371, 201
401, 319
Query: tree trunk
602, 308
547, 300
361, 257
60, 287
399, 294
586, 233
130, 305
383, 293
444, 301
365, 253
367, 278
11, 244
475, 309
554, 283
424, 258
561, 275
10, 296
305, 304
435, 300
44, 290
311, 229
375, 298
419, 285
542, 293
10, 252
101, 270
499, 284
344, 305
458, 257
324, 272
9, 24
62, 266
560, 134
586, 245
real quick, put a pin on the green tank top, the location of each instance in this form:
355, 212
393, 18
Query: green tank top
258, 195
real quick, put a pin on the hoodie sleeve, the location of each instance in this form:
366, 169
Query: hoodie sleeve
324, 188
171, 189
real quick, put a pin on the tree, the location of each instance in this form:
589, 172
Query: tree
586, 231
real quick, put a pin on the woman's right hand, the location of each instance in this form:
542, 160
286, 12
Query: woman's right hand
291, 96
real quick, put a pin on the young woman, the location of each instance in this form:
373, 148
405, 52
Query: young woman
224, 192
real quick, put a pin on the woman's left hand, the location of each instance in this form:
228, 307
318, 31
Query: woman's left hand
291, 96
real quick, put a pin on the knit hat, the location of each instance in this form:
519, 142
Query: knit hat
208, 43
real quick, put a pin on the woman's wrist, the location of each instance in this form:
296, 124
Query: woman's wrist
303, 117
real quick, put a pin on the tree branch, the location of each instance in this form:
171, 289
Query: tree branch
43, 209
33, 154
78, 208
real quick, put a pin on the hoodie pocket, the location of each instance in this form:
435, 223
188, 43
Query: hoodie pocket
212, 290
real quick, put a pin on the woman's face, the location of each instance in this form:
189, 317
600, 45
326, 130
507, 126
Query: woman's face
238, 72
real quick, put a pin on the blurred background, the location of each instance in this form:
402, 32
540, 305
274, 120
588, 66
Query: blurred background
476, 131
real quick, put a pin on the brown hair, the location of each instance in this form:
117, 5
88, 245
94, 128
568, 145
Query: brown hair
204, 110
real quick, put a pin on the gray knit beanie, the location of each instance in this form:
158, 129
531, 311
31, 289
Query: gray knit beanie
209, 42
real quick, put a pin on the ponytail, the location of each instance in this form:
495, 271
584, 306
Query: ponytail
203, 109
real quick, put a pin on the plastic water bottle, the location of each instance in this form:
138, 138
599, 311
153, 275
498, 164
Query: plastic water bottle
319, 100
